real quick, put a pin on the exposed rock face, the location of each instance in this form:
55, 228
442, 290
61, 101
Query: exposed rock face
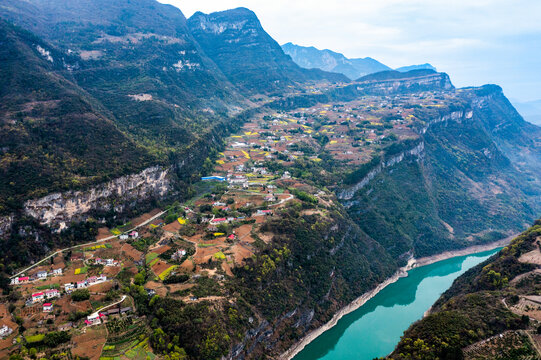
57, 210
236, 36
390, 82
415, 152
5, 225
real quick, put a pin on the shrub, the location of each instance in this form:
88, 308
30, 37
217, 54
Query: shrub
80, 295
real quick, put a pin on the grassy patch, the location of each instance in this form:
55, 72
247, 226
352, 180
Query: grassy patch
96, 247
34, 338
205, 245
150, 257
81, 270
153, 262
47, 287
219, 255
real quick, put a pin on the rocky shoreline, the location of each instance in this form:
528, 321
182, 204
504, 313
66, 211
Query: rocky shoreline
402, 272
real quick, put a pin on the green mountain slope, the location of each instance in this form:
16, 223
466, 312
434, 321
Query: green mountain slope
140, 61
465, 188
55, 135
247, 55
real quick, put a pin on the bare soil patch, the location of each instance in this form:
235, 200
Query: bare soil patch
90, 343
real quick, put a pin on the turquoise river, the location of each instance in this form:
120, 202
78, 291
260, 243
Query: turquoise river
375, 328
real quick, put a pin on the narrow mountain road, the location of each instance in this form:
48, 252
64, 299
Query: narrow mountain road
86, 244
95, 313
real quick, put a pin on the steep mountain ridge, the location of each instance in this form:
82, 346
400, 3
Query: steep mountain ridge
416, 67
170, 90
310, 58
247, 55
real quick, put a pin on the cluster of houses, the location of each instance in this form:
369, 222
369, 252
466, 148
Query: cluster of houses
38, 276
106, 262
93, 280
96, 318
44, 295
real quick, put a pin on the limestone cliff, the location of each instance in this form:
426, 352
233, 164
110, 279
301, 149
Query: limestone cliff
57, 210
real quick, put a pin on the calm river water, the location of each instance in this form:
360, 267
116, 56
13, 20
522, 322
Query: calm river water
375, 328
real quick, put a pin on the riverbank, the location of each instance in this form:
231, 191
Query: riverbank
402, 272
461, 252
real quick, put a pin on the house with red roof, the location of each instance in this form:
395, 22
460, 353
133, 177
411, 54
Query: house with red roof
20, 280
47, 307
218, 221
37, 297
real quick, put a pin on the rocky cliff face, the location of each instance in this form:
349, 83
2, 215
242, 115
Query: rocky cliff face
348, 193
236, 37
466, 190
390, 82
415, 152
57, 210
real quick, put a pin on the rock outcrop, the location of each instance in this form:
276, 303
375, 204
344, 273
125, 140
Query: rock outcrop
415, 152
57, 210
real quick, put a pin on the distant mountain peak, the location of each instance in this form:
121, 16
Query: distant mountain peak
328, 60
310, 57
425, 66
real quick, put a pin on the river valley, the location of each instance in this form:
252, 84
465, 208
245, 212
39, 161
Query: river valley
375, 328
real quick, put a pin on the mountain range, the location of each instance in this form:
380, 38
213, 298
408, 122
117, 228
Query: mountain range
113, 111
328, 60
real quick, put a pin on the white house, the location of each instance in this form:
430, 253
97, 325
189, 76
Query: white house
69, 287
57, 272
52, 293
47, 307
20, 280
93, 319
106, 262
178, 254
5, 331
123, 237
96, 280
82, 284
41, 274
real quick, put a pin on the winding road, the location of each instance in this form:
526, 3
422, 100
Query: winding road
86, 244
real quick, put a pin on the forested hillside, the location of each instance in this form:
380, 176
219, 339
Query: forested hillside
55, 135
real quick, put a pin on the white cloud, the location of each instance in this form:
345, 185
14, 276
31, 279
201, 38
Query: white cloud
471, 40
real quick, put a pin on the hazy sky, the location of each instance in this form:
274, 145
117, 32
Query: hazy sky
475, 41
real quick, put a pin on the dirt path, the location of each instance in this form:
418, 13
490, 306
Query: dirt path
87, 244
